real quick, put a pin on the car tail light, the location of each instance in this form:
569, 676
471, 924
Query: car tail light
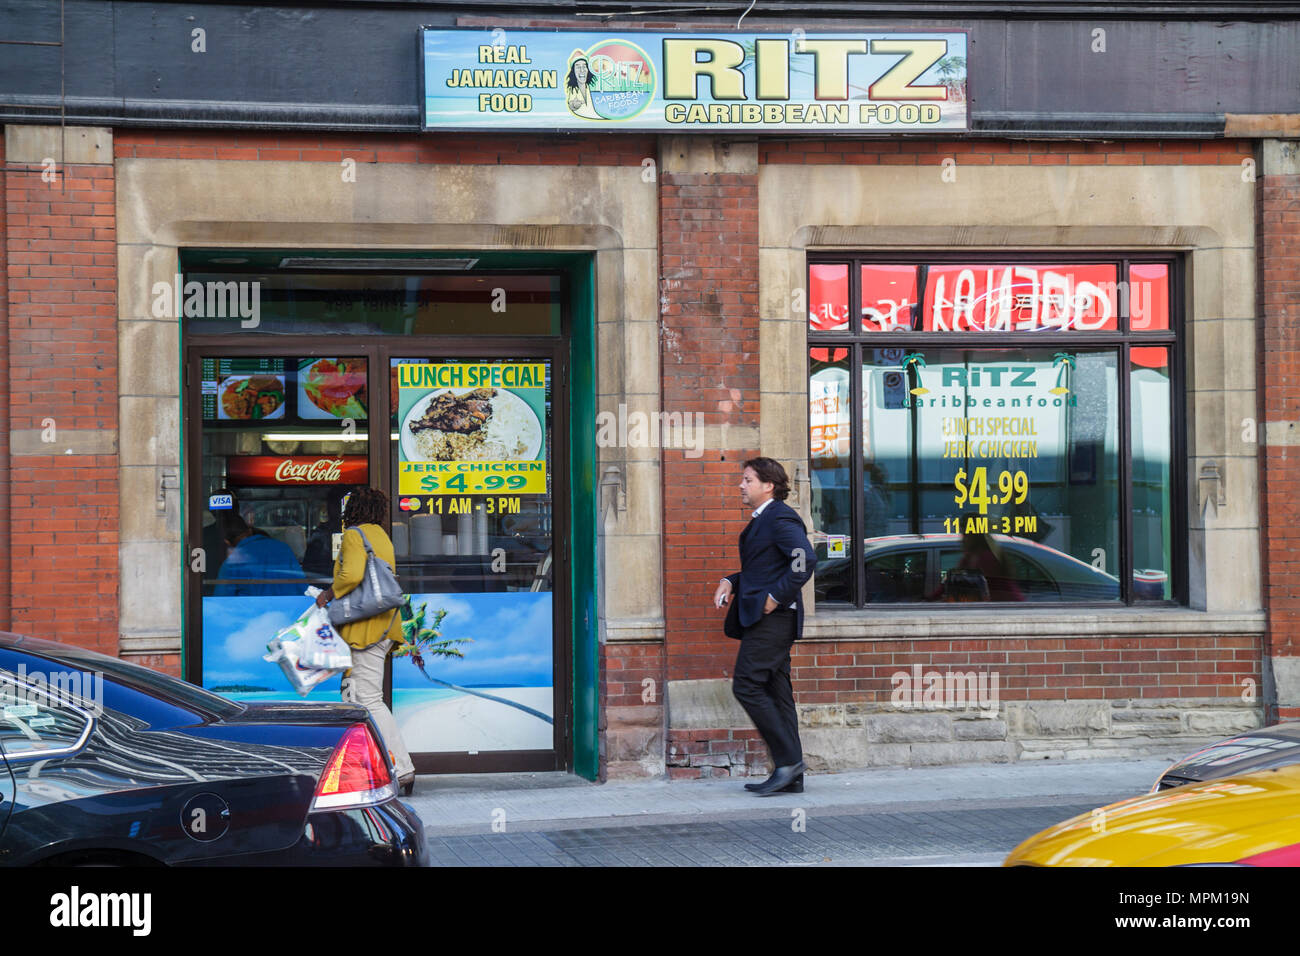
356, 774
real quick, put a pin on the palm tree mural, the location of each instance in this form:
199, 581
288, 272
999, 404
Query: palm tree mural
949, 68
421, 636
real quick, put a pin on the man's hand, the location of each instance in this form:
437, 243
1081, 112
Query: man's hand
723, 594
769, 605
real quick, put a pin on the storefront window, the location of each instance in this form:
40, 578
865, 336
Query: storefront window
472, 529
283, 440
955, 467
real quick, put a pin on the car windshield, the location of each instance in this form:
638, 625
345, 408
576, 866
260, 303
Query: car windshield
132, 675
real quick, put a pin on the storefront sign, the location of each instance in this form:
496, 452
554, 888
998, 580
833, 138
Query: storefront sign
745, 82
472, 429
297, 470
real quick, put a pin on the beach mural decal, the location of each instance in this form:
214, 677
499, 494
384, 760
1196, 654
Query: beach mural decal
485, 682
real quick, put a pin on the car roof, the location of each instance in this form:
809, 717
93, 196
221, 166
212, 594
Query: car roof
141, 678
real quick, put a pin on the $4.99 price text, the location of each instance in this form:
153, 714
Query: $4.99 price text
1011, 485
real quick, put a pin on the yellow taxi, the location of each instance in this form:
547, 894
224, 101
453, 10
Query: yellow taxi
1249, 819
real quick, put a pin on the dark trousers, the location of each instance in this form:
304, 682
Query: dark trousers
762, 684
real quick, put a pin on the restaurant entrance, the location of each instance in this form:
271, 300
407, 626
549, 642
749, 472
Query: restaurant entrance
469, 450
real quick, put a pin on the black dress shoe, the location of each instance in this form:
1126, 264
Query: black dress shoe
781, 778
796, 787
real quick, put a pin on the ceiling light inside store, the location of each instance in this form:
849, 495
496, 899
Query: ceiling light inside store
377, 265
311, 436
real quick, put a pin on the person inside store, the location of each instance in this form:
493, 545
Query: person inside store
318, 558
256, 563
766, 615
214, 544
373, 638
981, 573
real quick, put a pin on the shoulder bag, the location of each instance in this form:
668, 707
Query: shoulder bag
377, 592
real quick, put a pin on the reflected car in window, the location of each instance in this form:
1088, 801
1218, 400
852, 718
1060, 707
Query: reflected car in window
921, 568
103, 762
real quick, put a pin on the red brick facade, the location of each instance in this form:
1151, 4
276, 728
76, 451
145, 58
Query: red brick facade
59, 514
61, 348
1279, 399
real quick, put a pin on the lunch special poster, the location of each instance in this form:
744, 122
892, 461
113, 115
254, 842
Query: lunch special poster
518, 418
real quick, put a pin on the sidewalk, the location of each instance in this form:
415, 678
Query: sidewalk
470, 803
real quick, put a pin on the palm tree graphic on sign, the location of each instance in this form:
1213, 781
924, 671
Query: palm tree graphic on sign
913, 362
1063, 361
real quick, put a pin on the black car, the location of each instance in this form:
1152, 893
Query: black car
103, 762
1264, 749
915, 568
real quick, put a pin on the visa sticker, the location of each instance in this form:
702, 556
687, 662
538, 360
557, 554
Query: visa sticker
220, 503
836, 545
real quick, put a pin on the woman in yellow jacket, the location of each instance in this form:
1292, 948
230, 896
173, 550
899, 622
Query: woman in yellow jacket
371, 640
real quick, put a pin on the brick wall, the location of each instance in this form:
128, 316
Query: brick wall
702, 516
61, 269
1279, 391
708, 229
6, 591
632, 712
842, 684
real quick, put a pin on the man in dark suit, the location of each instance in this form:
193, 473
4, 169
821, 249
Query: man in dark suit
766, 615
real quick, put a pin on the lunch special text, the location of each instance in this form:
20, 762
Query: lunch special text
410, 466
471, 376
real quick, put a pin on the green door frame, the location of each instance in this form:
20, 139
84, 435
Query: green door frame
580, 271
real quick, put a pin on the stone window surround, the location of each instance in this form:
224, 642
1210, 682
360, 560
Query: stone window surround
636, 517
1218, 245
164, 205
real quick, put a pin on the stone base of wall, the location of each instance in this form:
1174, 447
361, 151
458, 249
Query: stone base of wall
853, 736
634, 741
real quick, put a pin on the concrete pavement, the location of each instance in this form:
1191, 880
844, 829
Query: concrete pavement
969, 815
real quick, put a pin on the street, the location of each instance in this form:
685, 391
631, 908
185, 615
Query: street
944, 816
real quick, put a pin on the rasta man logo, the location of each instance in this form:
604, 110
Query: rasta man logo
613, 80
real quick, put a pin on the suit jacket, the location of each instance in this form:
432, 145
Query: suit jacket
776, 558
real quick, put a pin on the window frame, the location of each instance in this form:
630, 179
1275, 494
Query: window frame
1120, 342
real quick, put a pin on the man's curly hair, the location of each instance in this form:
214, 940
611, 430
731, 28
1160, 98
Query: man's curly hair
366, 506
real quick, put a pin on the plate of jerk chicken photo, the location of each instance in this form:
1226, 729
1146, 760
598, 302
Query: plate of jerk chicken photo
471, 424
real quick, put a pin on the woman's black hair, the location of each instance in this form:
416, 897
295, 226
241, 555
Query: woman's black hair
572, 82
366, 506
769, 469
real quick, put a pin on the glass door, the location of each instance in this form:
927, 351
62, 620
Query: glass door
472, 447
281, 439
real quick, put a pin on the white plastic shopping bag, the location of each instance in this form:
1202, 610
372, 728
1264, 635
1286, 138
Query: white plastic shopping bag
309, 650
321, 644
303, 679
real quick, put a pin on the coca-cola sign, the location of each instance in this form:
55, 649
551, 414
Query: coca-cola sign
297, 470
